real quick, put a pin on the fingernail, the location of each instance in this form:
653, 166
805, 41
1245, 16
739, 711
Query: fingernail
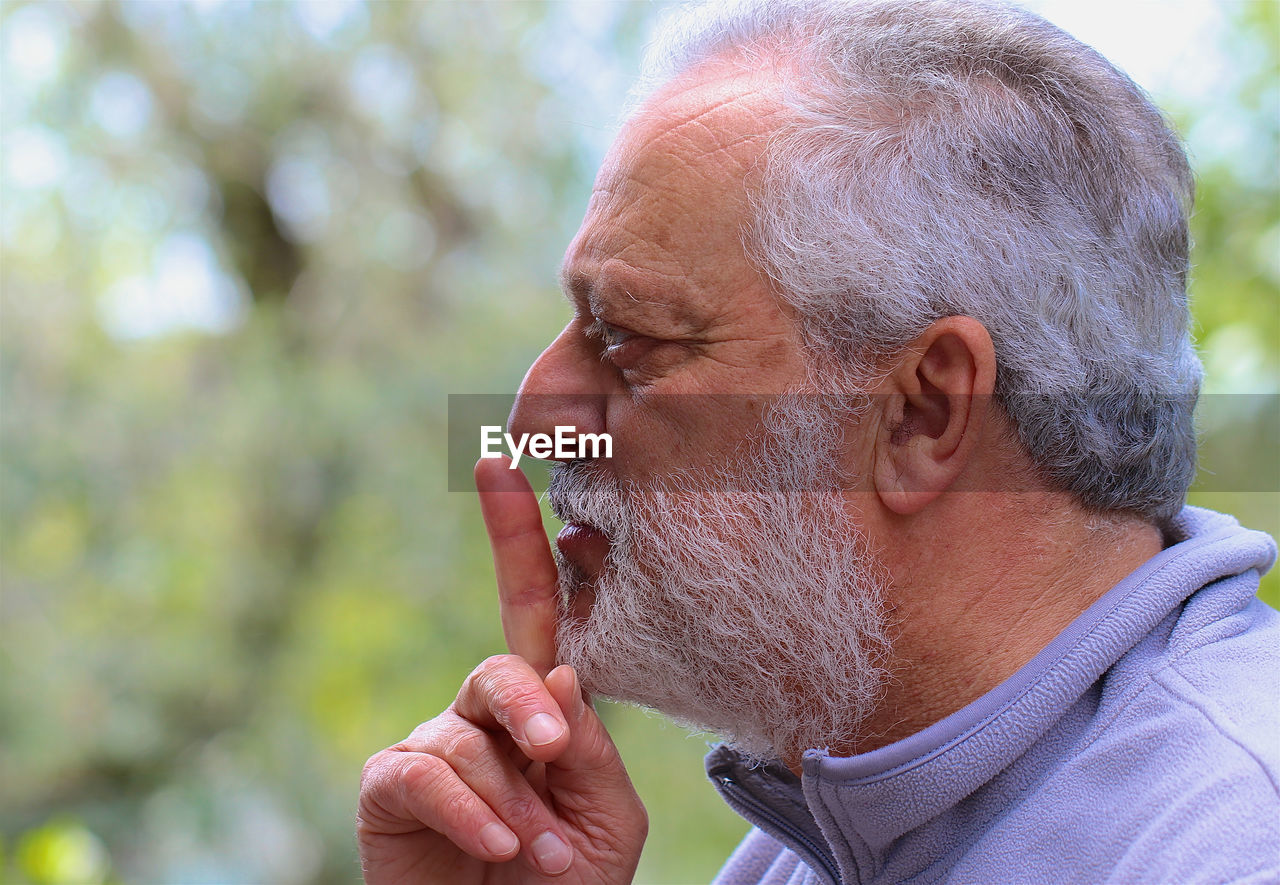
551, 853
498, 839
542, 729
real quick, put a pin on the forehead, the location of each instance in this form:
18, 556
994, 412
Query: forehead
671, 200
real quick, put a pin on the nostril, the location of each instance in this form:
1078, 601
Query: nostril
560, 427
570, 422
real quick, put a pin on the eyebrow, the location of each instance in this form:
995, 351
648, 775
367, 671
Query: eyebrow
581, 288
576, 287
587, 293
590, 294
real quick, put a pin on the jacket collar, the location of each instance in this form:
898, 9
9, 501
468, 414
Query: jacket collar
844, 814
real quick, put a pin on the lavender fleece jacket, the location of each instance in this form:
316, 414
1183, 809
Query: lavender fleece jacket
1141, 745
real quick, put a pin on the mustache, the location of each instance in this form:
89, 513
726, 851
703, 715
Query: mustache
581, 492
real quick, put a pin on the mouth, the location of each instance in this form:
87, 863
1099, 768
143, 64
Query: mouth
583, 545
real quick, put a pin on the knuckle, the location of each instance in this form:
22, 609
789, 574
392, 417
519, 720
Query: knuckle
509, 688
516, 688
422, 737
455, 805
381, 793
523, 811
372, 813
366, 831
427, 782
495, 666
425, 774
470, 747
373, 769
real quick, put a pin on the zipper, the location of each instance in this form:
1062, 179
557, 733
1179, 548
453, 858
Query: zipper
756, 811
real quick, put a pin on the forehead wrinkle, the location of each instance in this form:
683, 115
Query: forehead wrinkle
692, 134
651, 200
688, 116
699, 147
724, 137
662, 253
706, 166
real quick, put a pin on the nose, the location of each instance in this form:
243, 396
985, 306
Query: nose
567, 386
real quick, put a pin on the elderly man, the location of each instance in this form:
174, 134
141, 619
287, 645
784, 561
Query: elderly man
883, 306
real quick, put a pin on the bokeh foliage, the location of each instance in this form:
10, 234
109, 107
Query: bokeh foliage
248, 250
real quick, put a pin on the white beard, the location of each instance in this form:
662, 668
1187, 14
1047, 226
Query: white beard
748, 606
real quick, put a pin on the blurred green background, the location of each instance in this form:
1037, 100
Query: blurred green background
248, 251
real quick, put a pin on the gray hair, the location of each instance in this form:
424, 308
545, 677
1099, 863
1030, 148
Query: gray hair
960, 158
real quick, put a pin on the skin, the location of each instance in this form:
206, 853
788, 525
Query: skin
517, 781
979, 581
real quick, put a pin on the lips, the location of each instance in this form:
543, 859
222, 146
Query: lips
584, 546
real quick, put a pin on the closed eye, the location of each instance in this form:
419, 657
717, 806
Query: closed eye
610, 336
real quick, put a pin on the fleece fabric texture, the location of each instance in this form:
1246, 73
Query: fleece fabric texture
1142, 745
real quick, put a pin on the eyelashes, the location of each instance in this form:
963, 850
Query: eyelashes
638, 358
611, 337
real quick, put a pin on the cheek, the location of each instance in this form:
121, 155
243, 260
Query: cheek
680, 432
780, 357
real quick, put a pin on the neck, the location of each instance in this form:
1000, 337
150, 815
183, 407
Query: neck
976, 598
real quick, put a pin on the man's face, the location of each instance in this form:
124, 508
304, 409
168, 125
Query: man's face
708, 569
676, 341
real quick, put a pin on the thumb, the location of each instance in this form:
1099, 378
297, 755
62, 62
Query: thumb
590, 746
589, 771
590, 790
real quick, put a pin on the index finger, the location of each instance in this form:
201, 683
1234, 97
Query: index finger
528, 584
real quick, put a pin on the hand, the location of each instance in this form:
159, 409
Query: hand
518, 781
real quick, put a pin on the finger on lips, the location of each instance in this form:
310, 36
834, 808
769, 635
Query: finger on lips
458, 774
525, 570
478, 774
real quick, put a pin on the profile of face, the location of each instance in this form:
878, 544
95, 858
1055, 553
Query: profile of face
712, 569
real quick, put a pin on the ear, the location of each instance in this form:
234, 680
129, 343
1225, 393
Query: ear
936, 397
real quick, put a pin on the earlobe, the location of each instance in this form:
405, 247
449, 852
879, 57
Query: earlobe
895, 477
